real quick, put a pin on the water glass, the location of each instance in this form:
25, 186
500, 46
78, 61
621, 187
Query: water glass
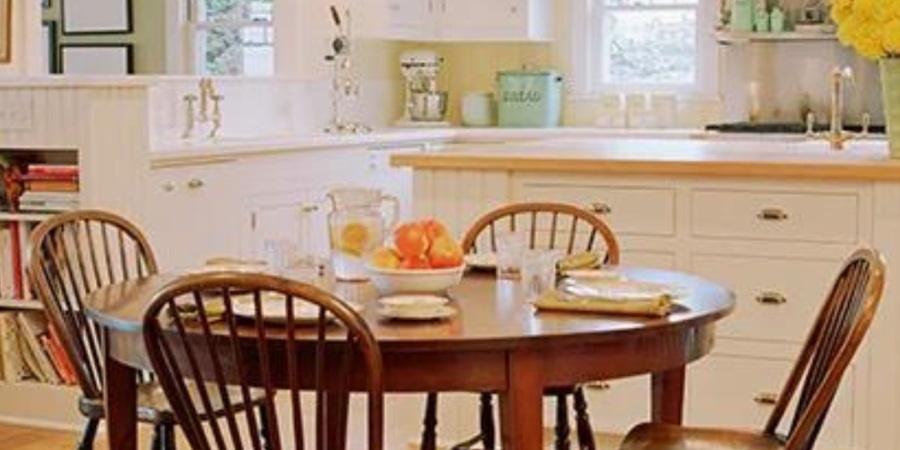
510, 255
538, 273
279, 254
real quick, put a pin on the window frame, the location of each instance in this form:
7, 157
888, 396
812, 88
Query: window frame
195, 47
587, 57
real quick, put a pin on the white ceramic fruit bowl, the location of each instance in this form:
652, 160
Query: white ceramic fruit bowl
423, 281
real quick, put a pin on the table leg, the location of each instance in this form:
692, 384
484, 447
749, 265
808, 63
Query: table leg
120, 398
668, 396
521, 406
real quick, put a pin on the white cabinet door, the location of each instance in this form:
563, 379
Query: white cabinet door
191, 214
296, 215
479, 19
412, 19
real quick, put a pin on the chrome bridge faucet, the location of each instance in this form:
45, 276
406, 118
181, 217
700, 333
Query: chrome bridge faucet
207, 114
836, 136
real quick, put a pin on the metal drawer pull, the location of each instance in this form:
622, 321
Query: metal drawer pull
307, 209
766, 398
771, 298
600, 208
772, 215
598, 386
196, 183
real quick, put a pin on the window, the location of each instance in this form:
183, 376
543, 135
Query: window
232, 37
645, 45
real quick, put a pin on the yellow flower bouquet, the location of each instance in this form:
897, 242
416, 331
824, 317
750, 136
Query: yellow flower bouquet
872, 28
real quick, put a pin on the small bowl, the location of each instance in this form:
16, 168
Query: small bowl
424, 281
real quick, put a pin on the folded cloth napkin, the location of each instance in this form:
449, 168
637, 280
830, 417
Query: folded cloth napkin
605, 297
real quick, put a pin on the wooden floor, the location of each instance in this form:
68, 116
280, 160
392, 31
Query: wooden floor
22, 438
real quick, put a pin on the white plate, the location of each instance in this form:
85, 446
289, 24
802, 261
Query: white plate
423, 314
595, 274
621, 290
481, 261
274, 309
413, 301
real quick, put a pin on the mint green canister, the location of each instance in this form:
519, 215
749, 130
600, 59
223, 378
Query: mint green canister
890, 82
529, 98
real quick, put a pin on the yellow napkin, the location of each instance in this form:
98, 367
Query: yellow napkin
608, 298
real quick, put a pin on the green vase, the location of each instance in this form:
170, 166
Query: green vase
890, 81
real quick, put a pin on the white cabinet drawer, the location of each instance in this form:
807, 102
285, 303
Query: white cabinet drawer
627, 210
775, 216
777, 298
736, 392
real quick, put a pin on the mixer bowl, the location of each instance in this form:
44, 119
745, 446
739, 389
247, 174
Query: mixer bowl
428, 106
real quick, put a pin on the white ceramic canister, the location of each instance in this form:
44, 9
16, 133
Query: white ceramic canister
478, 109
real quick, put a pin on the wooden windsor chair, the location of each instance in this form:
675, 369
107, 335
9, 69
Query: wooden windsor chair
548, 226
72, 255
838, 331
237, 355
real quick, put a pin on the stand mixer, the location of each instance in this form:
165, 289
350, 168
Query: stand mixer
424, 105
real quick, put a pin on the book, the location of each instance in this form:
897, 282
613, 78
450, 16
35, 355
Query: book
14, 369
32, 328
51, 186
53, 169
60, 359
7, 285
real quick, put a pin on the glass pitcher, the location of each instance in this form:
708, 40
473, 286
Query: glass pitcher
358, 223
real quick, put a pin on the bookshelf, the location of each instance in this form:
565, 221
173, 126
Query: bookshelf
34, 185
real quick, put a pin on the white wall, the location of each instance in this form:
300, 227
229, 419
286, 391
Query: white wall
27, 46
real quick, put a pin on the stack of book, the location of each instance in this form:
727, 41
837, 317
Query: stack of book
31, 351
49, 188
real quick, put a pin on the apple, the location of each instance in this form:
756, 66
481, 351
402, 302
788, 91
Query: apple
411, 240
434, 229
417, 262
385, 258
445, 253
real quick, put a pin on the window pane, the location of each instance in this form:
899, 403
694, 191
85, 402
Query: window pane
239, 51
235, 10
650, 47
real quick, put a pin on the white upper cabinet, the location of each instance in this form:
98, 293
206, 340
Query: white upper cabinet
470, 20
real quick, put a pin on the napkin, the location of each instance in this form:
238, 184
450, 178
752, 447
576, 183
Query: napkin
608, 297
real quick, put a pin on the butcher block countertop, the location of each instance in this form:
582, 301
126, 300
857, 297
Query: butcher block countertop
795, 158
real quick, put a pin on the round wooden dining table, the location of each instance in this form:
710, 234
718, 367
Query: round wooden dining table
497, 342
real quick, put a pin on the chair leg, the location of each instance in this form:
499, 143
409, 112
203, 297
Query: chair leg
488, 430
88, 435
429, 434
562, 423
264, 427
583, 421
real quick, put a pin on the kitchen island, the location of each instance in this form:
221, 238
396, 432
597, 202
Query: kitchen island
772, 220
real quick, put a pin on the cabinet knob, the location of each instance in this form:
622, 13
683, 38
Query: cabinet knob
196, 183
168, 187
771, 298
600, 208
766, 398
772, 215
514, 9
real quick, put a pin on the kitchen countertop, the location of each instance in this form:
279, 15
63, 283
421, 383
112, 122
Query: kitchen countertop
794, 158
179, 152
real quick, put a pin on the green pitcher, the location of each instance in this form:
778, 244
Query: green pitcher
890, 80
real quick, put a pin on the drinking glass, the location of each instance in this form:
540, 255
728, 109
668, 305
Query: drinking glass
510, 253
538, 273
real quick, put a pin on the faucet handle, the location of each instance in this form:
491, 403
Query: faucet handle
866, 124
810, 124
